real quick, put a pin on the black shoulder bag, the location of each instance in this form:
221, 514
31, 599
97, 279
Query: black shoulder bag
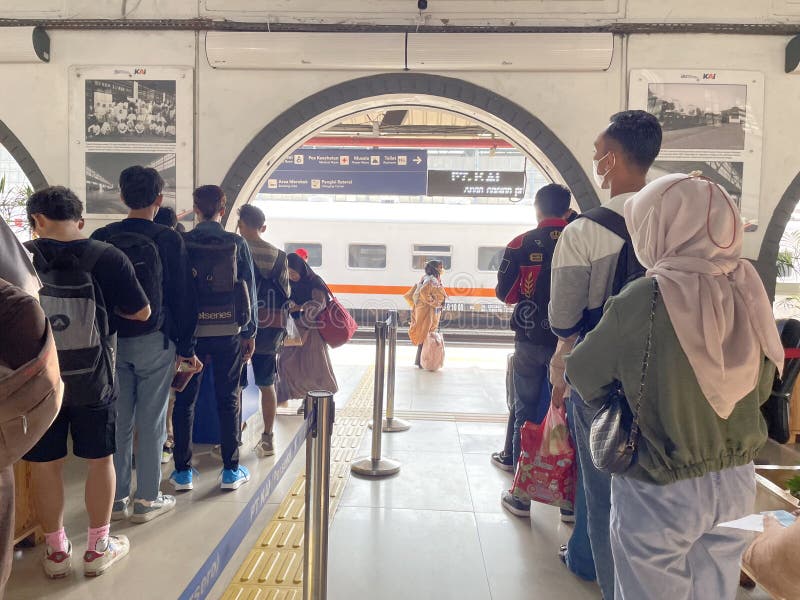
614, 434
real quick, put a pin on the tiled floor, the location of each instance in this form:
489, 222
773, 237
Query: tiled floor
434, 531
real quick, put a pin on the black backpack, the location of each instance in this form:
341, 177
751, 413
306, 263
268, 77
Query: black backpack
272, 297
73, 302
145, 257
628, 266
223, 299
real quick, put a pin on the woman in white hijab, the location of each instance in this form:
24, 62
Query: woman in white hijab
714, 348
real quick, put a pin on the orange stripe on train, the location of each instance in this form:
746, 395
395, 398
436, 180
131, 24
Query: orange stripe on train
399, 290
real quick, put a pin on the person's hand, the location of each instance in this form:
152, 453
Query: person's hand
248, 348
192, 361
559, 391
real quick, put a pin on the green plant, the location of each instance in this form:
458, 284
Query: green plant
793, 485
12, 205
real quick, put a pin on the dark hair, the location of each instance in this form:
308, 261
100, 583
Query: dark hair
56, 202
432, 267
553, 200
209, 200
166, 216
252, 216
639, 135
179, 227
140, 186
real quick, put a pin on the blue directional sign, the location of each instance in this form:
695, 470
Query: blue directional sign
351, 171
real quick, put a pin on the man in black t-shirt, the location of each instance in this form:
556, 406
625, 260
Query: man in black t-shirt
146, 351
55, 214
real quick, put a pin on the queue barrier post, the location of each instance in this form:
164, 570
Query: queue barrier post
392, 424
375, 465
320, 408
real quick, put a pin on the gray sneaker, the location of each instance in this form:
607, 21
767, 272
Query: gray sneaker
121, 509
266, 446
514, 505
144, 511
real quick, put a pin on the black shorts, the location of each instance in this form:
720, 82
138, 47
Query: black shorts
93, 434
264, 368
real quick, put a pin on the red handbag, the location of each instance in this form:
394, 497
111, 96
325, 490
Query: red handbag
336, 325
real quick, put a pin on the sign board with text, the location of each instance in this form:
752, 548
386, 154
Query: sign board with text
477, 184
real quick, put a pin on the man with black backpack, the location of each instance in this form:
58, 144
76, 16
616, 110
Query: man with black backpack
146, 351
222, 267
272, 281
593, 260
85, 283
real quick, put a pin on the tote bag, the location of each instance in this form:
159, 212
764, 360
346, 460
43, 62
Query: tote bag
336, 325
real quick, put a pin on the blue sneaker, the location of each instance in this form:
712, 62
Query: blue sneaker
233, 480
182, 480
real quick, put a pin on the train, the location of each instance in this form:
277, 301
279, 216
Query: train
371, 253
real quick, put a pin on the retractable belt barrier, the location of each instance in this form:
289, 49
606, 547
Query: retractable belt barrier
317, 429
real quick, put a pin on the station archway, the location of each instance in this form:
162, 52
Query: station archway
327, 107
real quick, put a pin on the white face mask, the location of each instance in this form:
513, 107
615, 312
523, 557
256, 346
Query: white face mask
599, 179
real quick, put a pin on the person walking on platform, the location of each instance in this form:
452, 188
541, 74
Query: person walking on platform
523, 281
592, 258
428, 298
272, 291
695, 347
226, 329
146, 352
77, 274
306, 367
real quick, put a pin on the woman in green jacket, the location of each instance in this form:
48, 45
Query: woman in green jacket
714, 349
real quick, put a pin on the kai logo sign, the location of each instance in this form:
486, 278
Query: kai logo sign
140, 71
709, 75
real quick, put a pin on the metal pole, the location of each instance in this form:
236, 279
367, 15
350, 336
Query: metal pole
390, 423
374, 465
321, 409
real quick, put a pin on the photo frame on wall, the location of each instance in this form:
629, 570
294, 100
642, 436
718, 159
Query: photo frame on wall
130, 115
712, 123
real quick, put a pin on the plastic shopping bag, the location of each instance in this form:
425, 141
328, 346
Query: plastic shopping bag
432, 357
547, 469
293, 336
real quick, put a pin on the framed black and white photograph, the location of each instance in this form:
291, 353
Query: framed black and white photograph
130, 115
699, 115
102, 178
137, 111
712, 122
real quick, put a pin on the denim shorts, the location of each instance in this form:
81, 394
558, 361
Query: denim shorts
264, 368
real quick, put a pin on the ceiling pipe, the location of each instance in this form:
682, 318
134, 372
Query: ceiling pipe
381, 142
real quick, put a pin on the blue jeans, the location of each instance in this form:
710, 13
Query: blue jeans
144, 371
597, 516
530, 382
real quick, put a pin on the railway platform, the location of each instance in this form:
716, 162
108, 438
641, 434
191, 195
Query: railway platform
435, 530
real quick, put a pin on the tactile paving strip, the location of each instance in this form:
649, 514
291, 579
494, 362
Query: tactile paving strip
273, 570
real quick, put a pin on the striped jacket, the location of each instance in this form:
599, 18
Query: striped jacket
583, 273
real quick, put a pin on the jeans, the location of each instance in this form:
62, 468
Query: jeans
579, 549
530, 373
665, 538
144, 371
225, 357
597, 491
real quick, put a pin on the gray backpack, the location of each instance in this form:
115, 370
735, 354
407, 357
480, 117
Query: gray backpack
73, 303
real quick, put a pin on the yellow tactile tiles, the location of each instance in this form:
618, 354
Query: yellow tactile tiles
273, 570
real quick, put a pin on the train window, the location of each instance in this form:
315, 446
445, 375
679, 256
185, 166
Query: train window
427, 252
366, 256
314, 252
489, 257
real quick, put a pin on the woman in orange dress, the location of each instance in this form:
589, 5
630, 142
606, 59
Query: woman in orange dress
429, 298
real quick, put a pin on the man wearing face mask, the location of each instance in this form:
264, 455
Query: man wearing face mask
588, 265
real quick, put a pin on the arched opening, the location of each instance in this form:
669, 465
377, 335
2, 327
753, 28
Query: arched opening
327, 107
19, 175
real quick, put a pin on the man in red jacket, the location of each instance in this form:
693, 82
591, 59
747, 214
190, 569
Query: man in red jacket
523, 280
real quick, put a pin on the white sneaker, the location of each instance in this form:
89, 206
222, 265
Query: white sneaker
106, 552
144, 511
57, 565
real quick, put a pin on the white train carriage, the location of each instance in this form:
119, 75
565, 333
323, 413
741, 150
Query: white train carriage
372, 253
